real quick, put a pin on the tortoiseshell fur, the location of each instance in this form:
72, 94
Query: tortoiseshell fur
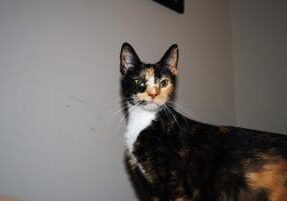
179, 159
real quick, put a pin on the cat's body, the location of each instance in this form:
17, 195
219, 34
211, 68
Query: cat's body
170, 157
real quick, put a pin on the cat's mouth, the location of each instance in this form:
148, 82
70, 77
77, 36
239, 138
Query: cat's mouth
151, 105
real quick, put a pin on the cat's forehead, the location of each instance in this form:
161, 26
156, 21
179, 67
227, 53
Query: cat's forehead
149, 71
152, 71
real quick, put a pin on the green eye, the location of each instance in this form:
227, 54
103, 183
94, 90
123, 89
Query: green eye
139, 82
136, 81
163, 83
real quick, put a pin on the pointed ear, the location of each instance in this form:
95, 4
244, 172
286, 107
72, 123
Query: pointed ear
128, 58
170, 58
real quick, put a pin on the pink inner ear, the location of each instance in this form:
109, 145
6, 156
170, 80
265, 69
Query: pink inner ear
173, 62
173, 69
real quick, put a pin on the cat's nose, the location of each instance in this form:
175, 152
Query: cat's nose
153, 92
152, 95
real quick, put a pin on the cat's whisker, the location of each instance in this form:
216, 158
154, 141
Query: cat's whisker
133, 107
182, 109
121, 121
117, 112
119, 108
166, 113
117, 102
123, 116
172, 115
112, 103
165, 107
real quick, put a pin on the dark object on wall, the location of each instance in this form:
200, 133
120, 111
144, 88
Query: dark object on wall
176, 5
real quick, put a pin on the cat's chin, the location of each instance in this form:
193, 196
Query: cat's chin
151, 107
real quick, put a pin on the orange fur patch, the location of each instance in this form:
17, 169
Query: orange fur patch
223, 129
271, 176
173, 70
149, 73
165, 92
180, 199
183, 153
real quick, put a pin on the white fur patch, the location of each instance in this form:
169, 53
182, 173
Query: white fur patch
139, 119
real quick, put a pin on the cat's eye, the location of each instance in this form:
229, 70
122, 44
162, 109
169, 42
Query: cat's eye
163, 83
139, 82
136, 81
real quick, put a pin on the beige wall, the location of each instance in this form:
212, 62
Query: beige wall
61, 138
59, 86
259, 41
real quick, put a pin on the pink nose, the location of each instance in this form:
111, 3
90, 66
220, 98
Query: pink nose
152, 95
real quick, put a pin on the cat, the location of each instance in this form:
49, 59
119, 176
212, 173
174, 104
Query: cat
170, 157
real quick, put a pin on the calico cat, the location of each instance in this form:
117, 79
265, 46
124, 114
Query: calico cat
172, 158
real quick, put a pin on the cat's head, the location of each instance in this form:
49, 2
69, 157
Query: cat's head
149, 86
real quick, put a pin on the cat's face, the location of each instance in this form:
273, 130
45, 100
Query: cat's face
149, 86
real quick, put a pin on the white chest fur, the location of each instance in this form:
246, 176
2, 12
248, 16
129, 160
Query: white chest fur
138, 120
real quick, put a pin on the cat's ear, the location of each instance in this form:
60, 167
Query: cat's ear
128, 57
170, 58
